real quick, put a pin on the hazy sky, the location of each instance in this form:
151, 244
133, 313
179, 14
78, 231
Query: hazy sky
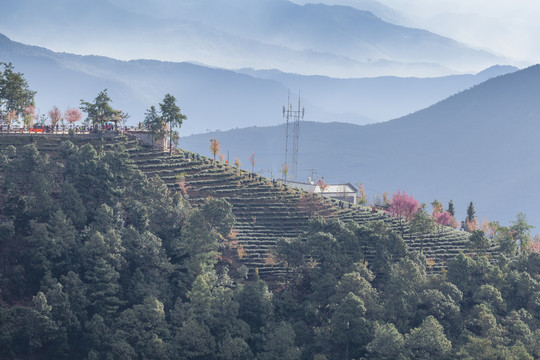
510, 28
506, 27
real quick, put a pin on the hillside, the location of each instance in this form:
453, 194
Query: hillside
478, 145
99, 261
220, 99
265, 211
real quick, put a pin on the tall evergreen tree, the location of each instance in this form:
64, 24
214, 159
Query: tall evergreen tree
451, 210
387, 343
470, 212
350, 329
279, 344
170, 113
428, 341
100, 111
104, 289
155, 123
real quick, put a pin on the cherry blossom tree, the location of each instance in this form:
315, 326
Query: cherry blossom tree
73, 115
323, 185
403, 206
55, 115
29, 115
444, 219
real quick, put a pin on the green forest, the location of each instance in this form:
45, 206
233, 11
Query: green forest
97, 261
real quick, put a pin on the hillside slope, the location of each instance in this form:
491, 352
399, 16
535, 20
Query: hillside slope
478, 145
265, 211
220, 99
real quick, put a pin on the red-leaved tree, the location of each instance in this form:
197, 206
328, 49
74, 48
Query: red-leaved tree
403, 206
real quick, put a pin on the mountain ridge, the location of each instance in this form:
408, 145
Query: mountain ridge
310, 39
218, 98
477, 145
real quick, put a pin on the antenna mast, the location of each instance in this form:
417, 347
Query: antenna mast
292, 118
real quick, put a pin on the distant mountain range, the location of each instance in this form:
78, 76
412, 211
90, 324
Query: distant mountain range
479, 145
339, 41
222, 99
378, 9
377, 99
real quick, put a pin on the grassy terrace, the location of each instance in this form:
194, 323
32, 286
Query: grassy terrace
264, 211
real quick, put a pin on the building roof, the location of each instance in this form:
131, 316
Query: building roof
337, 189
330, 189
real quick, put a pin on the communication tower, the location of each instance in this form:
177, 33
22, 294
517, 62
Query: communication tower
292, 134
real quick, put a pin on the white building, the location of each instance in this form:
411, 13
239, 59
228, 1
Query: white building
345, 192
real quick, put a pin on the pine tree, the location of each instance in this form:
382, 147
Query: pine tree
100, 111
470, 212
104, 289
451, 209
155, 123
170, 113
428, 341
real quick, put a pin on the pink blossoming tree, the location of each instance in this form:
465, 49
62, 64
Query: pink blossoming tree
73, 115
323, 185
403, 206
444, 219
55, 115
29, 115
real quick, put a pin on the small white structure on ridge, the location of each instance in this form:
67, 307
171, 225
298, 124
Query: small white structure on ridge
344, 192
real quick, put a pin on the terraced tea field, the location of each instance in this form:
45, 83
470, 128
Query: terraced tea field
265, 210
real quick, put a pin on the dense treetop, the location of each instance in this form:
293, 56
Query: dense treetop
97, 261
15, 95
